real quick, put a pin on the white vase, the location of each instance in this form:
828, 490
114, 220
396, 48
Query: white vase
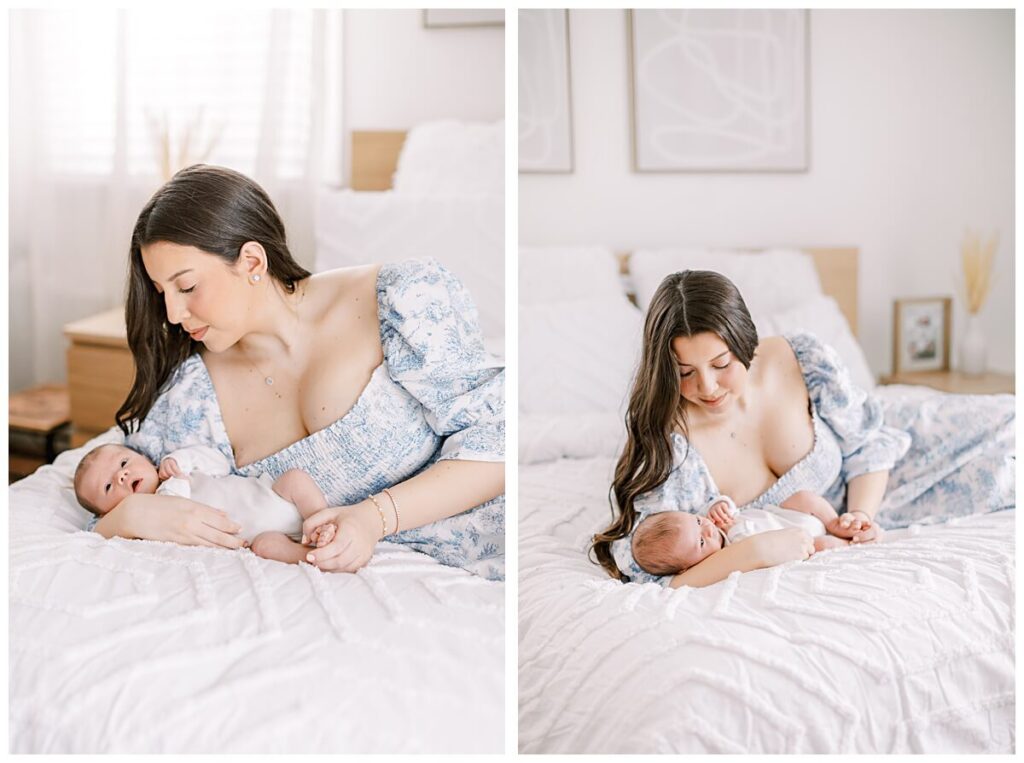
973, 349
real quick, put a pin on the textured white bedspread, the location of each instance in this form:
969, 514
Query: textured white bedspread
139, 646
902, 646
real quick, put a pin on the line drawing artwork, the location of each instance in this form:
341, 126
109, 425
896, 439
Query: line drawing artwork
719, 90
545, 119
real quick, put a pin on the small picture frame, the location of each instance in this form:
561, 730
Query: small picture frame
921, 331
451, 18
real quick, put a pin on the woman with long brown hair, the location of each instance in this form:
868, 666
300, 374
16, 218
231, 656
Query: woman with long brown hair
373, 379
716, 411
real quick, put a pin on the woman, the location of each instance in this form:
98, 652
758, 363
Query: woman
714, 411
372, 379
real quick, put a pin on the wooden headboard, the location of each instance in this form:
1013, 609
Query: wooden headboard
837, 271
374, 158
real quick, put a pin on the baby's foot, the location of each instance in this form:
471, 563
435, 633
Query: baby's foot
824, 542
279, 547
325, 534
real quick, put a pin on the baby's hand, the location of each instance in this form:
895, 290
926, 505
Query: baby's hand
868, 534
323, 534
169, 468
720, 516
850, 524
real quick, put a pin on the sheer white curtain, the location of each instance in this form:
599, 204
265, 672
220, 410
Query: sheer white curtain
92, 91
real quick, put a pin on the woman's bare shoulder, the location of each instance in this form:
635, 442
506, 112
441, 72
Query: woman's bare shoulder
778, 366
341, 283
342, 289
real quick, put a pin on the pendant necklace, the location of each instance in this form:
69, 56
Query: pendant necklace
267, 379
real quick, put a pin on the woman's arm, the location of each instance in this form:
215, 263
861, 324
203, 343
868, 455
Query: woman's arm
865, 491
169, 518
447, 488
863, 497
756, 552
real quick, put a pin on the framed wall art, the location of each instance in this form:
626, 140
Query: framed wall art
442, 18
719, 90
545, 102
921, 331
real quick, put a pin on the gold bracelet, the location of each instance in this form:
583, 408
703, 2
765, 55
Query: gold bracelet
395, 504
383, 521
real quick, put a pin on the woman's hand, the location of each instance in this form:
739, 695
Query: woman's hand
170, 518
781, 546
358, 530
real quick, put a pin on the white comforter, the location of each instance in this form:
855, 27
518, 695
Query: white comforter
139, 646
903, 646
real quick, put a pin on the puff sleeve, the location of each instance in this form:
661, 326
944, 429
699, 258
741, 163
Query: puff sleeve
854, 415
689, 487
434, 349
184, 415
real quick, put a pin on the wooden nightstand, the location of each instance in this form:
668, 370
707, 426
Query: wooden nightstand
955, 381
37, 430
100, 372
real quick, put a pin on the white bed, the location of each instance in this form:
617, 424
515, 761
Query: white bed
903, 646
139, 646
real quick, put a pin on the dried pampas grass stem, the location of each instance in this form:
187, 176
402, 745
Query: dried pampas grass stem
977, 257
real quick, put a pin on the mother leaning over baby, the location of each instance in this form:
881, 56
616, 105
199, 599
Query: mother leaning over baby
367, 378
716, 411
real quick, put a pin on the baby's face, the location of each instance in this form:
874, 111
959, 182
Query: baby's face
697, 538
114, 474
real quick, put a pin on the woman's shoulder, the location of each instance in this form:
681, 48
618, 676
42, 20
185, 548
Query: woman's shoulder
799, 352
328, 288
186, 381
777, 364
376, 283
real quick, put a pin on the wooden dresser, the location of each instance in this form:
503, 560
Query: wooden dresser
100, 372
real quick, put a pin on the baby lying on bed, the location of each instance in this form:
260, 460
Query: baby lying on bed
269, 511
670, 542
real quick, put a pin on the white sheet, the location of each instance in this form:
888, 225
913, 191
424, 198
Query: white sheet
139, 646
905, 646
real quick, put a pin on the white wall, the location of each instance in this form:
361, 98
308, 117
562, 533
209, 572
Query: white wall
398, 73
912, 140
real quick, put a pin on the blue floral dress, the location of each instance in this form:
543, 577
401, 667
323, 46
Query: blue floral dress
437, 395
851, 437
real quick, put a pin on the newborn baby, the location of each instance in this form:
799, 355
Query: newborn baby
669, 542
270, 512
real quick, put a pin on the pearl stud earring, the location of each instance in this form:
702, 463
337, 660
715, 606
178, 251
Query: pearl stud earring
256, 278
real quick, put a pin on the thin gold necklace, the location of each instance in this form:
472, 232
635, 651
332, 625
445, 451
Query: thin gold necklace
267, 378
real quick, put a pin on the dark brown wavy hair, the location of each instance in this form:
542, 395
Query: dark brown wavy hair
687, 303
214, 209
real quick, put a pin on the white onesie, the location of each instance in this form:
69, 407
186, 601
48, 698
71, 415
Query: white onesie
250, 501
764, 518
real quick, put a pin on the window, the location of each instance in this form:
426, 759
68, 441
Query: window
240, 78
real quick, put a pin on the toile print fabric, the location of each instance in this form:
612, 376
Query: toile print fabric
437, 395
948, 455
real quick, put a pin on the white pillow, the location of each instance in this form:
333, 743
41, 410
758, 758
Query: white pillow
770, 281
577, 356
585, 435
560, 273
465, 233
440, 158
821, 316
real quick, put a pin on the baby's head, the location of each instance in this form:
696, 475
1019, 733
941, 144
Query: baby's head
109, 473
672, 541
